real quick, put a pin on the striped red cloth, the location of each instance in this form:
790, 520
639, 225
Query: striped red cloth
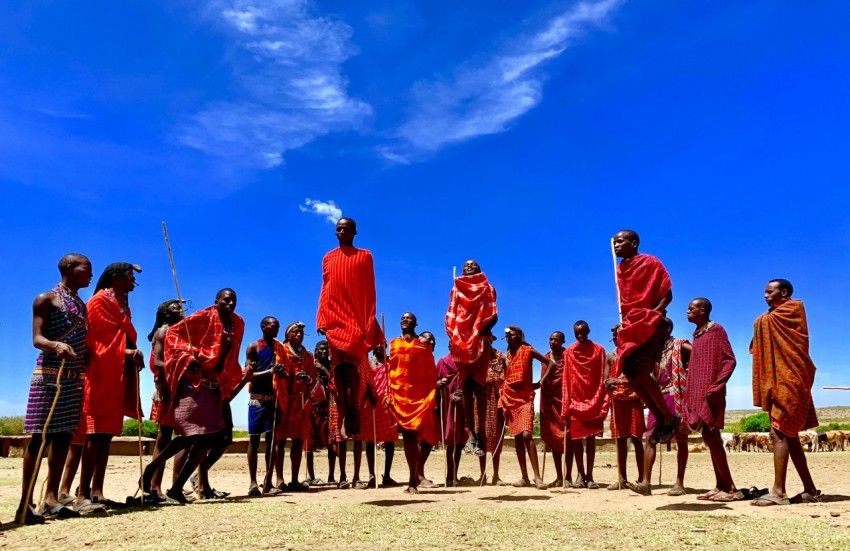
517, 398
643, 282
347, 304
109, 390
552, 425
206, 330
318, 436
585, 401
712, 363
627, 419
472, 308
783, 371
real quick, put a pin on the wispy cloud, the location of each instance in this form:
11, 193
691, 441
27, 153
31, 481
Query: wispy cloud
328, 209
288, 71
485, 99
64, 114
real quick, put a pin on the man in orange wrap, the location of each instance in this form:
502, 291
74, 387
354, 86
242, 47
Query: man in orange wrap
585, 402
783, 375
346, 317
412, 396
471, 316
517, 400
111, 391
203, 373
645, 292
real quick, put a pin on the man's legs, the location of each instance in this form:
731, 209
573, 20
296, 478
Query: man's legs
93, 471
558, 457
568, 459
389, 454
424, 452
198, 447
72, 463
58, 450
714, 442
253, 446
785, 446
412, 455
163, 437
172, 449
348, 384
332, 456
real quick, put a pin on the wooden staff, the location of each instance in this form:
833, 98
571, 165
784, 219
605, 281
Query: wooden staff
836, 388
543, 471
139, 414
564, 481
443, 438
620, 312
40, 454
660, 464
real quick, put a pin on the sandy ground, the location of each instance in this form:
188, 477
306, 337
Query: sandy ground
457, 518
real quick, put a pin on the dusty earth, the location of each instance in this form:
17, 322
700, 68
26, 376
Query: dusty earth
458, 518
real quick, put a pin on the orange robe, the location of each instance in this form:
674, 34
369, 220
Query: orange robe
110, 390
517, 398
783, 371
412, 396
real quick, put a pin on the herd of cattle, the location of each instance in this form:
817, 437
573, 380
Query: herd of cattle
812, 441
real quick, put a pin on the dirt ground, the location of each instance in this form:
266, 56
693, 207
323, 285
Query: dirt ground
458, 518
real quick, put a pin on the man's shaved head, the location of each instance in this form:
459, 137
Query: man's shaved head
704, 303
71, 261
632, 234
349, 220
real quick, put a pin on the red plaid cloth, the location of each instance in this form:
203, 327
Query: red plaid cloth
585, 429
494, 423
643, 282
517, 398
385, 425
627, 419
520, 419
552, 426
712, 363
293, 396
206, 330
318, 436
585, 399
783, 371
472, 307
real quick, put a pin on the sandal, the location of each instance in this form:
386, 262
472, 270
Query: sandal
344, 485
87, 507
31, 518
769, 501
591, 485
388, 482
360, 485
708, 495
676, 491
806, 497
728, 497
579, 483
273, 491
522, 483
471, 445
640, 489
60, 512
254, 491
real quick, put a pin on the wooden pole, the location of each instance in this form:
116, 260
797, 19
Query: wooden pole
139, 414
836, 388
40, 454
620, 313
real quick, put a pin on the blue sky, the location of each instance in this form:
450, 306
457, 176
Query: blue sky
519, 134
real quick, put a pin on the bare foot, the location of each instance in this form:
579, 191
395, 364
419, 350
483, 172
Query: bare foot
411, 490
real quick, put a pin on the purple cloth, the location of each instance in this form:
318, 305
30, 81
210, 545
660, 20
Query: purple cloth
446, 368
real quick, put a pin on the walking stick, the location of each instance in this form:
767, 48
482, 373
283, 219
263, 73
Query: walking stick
40, 454
660, 463
139, 414
271, 465
564, 481
543, 470
620, 312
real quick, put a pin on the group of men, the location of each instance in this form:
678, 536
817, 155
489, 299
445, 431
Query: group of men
86, 381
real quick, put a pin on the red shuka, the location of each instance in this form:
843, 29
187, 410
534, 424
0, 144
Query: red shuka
472, 307
584, 397
206, 329
293, 396
109, 391
347, 304
643, 282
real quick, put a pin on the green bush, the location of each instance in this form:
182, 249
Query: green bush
760, 422
11, 426
131, 428
833, 426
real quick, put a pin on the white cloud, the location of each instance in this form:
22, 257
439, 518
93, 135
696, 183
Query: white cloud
329, 210
485, 99
290, 79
